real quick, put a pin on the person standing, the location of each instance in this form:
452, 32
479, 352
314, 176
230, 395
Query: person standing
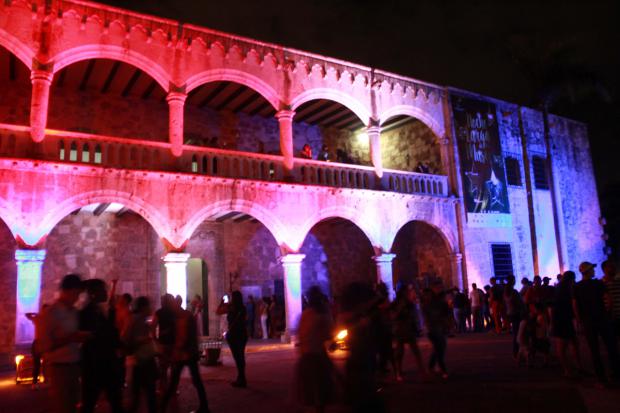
35, 349
185, 353
314, 370
141, 347
437, 316
164, 329
60, 340
459, 304
595, 321
250, 308
236, 336
101, 364
515, 311
405, 330
383, 331
196, 308
357, 301
123, 318
324, 154
562, 326
612, 284
486, 308
476, 298
496, 301
264, 315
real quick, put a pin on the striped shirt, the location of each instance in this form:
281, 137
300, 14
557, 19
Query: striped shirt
613, 289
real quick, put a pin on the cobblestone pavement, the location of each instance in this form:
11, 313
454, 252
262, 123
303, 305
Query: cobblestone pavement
483, 379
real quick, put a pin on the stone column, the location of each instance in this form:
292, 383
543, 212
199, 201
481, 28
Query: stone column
292, 291
374, 140
456, 262
285, 119
29, 268
384, 271
445, 148
41, 82
176, 105
176, 274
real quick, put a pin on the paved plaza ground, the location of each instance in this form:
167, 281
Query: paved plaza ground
483, 379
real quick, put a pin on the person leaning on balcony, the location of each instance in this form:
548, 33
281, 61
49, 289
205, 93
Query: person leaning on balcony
306, 152
60, 345
324, 154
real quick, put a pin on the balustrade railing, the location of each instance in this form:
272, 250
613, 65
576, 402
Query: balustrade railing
120, 153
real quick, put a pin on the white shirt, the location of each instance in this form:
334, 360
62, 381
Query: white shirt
475, 297
56, 322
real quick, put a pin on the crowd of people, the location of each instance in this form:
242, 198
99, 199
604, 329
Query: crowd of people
542, 317
114, 340
87, 351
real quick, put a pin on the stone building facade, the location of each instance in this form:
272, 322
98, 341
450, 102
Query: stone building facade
168, 156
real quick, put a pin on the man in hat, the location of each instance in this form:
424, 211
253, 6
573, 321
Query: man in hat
589, 303
60, 344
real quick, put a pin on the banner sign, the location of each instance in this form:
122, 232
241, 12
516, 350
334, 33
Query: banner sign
482, 163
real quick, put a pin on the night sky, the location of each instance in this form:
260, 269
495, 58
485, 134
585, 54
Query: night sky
564, 53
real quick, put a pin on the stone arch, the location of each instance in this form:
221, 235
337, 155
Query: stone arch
8, 284
9, 216
236, 76
337, 251
273, 224
99, 51
443, 230
414, 112
423, 250
349, 214
147, 211
348, 101
15, 46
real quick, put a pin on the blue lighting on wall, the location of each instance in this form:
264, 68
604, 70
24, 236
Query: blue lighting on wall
29, 268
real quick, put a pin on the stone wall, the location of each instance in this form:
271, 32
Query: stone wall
421, 252
8, 285
337, 253
577, 204
403, 147
15, 102
237, 255
105, 247
478, 241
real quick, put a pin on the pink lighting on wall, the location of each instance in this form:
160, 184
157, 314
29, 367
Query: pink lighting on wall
29, 266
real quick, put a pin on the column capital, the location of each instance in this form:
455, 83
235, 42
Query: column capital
291, 259
176, 257
43, 75
176, 96
285, 114
385, 257
30, 255
373, 130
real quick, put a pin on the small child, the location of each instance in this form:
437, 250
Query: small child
540, 340
535, 337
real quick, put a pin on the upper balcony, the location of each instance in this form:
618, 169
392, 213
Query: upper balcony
122, 153
108, 112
